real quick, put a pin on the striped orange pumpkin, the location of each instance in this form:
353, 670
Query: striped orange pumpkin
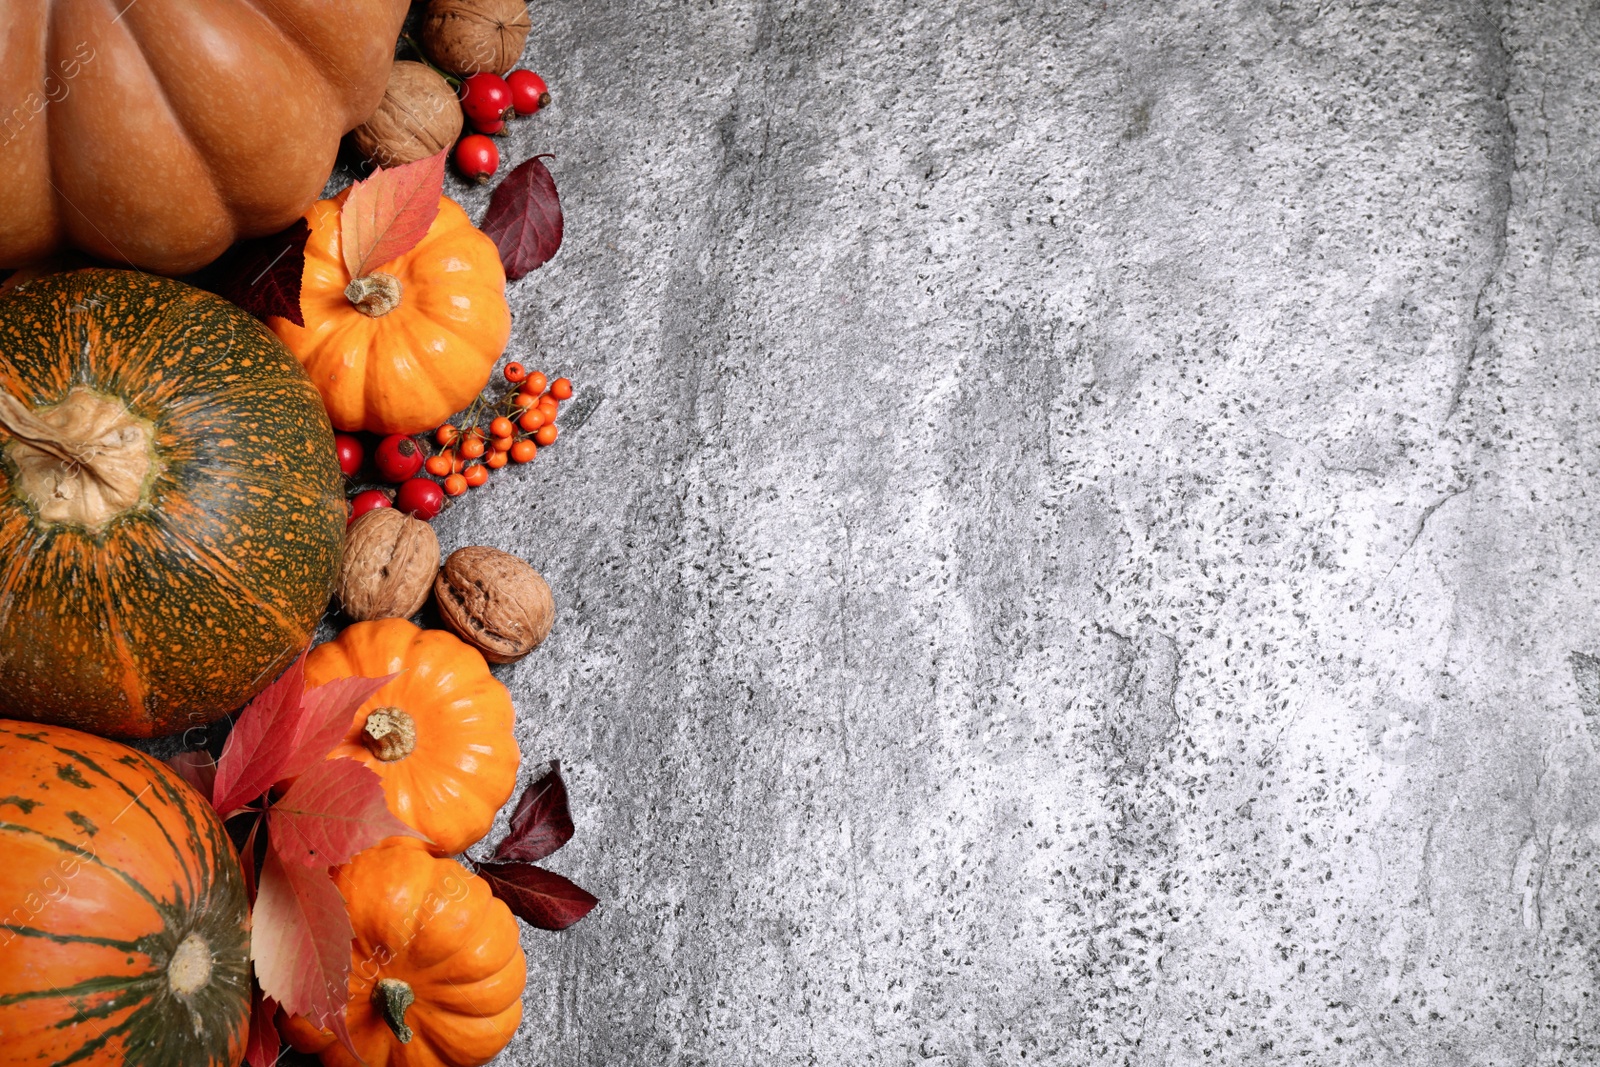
126, 932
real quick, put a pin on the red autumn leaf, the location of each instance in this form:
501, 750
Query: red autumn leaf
538, 897
332, 811
260, 742
541, 824
247, 857
196, 767
300, 939
262, 275
285, 731
261, 1050
387, 214
524, 218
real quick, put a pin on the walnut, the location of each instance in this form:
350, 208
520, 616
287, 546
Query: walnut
471, 36
389, 563
418, 117
494, 602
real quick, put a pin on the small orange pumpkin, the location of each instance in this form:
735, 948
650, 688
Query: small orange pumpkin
407, 346
439, 735
436, 966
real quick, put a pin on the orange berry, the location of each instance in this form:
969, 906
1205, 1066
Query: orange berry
532, 419
446, 435
534, 383
561, 389
515, 372
523, 451
476, 474
455, 485
496, 459
549, 405
472, 447
439, 465
547, 434
501, 444
500, 427
526, 400
456, 463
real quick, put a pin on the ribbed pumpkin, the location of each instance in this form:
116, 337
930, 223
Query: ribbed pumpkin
439, 735
409, 345
126, 934
436, 968
171, 512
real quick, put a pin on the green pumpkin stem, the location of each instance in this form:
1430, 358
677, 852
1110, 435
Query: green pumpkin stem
393, 997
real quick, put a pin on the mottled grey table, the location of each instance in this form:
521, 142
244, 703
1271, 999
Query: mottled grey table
1087, 545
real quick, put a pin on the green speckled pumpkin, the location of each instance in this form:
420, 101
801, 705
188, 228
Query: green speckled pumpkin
171, 512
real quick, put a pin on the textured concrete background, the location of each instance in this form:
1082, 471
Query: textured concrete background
1084, 555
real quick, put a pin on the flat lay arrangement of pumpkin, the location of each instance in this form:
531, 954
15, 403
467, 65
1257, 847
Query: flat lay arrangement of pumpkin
198, 473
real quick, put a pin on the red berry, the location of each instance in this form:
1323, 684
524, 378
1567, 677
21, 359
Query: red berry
477, 158
347, 446
456, 484
515, 372
397, 458
493, 129
528, 92
561, 389
486, 100
420, 498
366, 500
475, 474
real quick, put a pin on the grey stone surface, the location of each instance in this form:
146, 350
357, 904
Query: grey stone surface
1085, 554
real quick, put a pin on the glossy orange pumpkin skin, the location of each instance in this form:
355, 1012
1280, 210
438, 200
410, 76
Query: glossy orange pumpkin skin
430, 923
184, 607
159, 132
118, 879
412, 368
464, 765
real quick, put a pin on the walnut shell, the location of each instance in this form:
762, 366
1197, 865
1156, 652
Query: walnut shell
494, 602
389, 563
471, 36
418, 117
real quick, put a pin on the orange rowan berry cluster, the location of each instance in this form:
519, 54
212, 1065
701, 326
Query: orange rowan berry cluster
520, 423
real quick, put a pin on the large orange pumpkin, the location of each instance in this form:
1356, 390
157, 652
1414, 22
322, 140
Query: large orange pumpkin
158, 132
436, 969
412, 343
439, 735
125, 938
171, 513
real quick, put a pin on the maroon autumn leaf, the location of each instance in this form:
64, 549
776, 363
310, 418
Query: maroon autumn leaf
524, 218
541, 824
330, 813
198, 768
300, 939
262, 275
536, 896
261, 1050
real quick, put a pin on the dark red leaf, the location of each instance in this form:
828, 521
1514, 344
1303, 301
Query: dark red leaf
198, 768
541, 824
262, 1048
536, 896
262, 275
329, 711
524, 218
300, 939
262, 741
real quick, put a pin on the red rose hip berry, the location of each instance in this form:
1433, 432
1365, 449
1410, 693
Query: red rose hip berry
366, 500
528, 91
421, 498
397, 458
348, 448
477, 158
486, 101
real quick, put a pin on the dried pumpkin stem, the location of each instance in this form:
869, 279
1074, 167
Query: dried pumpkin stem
390, 734
393, 997
374, 294
83, 461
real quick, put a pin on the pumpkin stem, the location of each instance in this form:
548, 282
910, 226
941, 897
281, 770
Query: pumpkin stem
390, 734
393, 997
190, 967
375, 294
83, 461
